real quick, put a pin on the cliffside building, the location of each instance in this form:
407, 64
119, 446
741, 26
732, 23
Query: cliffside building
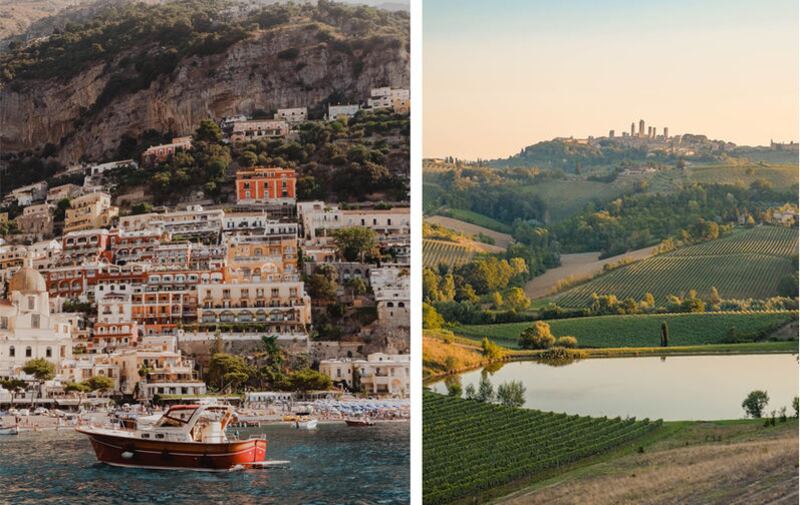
90, 211
266, 185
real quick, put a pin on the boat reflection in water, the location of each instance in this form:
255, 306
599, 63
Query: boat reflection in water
186, 437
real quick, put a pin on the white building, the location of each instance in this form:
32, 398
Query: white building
45, 254
319, 217
113, 165
190, 223
386, 97
244, 222
27, 329
342, 111
392, 295
293, 115
27, 195
380, 373
258, 129
383, 222
115, 307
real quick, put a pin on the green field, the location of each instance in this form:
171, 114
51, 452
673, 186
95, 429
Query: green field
746, 264
470, 447
565, 197
644, 330
442, 252
475, 218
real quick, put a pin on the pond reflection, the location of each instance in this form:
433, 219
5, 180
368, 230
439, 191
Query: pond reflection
669, 388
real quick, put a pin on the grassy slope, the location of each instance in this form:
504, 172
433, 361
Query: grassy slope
478, 219
746, 264
684, 462
643, 330
566, 197
435, 353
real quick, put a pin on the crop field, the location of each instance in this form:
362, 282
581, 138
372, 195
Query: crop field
781, 176
644, 330
747, 264
438, 252
470, 447
577, 267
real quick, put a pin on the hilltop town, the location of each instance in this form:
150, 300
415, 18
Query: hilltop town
240, 286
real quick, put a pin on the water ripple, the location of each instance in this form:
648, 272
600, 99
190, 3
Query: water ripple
332, 465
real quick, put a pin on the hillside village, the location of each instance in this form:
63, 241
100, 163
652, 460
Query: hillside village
254, 292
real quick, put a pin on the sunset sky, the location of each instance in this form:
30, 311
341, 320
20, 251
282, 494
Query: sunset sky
505, 74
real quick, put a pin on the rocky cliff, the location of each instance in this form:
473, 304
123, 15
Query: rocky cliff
286, 66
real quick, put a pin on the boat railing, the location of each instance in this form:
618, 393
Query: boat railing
260, 436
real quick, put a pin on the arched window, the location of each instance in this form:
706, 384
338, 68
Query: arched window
28, 352
49, 352
11, 351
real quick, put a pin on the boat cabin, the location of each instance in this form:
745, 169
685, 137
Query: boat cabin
190, 423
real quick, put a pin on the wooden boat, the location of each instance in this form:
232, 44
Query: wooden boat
187, 437
360, 421
13, 430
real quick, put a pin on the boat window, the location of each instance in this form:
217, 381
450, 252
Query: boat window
145, 435
177, 416
159, 435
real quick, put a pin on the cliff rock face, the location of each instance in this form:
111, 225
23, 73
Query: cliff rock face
256, 73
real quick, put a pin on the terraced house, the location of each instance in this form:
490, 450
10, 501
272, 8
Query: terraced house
93, 210
277, 303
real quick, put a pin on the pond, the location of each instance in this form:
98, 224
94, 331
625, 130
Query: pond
669, 388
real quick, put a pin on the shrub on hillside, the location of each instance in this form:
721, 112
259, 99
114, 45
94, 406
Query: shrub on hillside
537, 336
567, 342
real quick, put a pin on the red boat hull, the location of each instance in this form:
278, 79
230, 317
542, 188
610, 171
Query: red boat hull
135, 453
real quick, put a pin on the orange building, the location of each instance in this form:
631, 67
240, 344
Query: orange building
266, 185
170, 296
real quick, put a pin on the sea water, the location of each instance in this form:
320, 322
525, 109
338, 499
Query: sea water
331, 465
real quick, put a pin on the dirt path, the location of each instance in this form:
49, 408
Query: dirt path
742, 473
577, 266
500, 239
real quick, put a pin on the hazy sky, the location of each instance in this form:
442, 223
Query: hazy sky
500, 75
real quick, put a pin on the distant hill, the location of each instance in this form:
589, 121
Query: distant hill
17, 16
573, 155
